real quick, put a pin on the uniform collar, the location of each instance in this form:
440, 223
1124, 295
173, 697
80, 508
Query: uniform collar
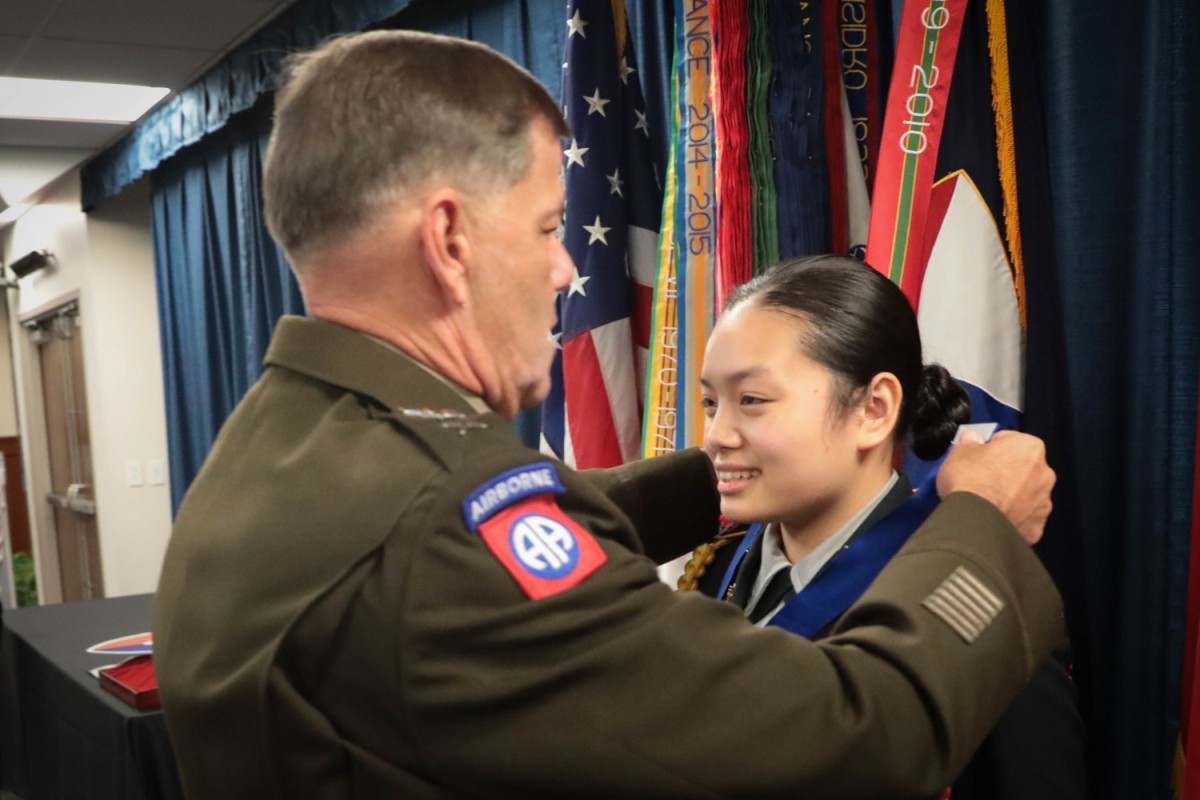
774, 555
475, 401
895, 493
365, 365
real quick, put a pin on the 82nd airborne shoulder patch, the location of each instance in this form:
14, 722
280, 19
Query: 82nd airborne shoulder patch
544, 550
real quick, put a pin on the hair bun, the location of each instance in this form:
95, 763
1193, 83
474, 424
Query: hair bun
941, 406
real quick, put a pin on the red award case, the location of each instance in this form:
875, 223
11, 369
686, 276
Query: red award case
133, 682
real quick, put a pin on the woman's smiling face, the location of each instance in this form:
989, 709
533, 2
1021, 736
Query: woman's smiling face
783, 449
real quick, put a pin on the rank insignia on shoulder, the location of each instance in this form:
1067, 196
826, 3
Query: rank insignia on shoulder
447, 417
542, 548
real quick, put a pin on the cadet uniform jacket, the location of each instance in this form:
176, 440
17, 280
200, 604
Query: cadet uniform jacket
330, 624
1034, 752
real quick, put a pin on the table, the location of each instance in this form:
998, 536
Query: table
62, 737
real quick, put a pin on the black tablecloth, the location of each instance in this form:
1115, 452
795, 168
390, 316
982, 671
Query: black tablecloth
61, 735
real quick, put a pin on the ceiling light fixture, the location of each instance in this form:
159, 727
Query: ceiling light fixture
78, 101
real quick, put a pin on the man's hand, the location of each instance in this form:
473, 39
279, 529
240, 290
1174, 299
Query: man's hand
1010, 472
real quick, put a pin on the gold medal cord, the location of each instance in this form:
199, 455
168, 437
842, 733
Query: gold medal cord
702, 556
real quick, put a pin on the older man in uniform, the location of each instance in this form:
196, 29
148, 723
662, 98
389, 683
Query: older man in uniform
373, 590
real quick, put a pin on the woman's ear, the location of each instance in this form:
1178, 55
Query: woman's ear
879, 410
445, 243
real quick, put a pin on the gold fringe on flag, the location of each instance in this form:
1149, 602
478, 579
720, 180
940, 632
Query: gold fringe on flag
1006, 148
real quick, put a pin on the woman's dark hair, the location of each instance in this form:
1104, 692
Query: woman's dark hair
859, 325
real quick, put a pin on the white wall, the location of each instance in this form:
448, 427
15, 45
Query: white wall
105, 259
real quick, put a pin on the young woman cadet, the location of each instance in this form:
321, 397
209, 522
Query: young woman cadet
812, 381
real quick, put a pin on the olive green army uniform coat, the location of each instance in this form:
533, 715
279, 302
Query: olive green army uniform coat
328, 624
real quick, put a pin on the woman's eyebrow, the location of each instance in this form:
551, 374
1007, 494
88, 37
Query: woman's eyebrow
735, 377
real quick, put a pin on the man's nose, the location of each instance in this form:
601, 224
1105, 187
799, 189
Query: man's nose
563, 269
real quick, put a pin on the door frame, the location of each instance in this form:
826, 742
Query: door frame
36, 455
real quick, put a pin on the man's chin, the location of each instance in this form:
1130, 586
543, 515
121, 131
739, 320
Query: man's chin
535, 393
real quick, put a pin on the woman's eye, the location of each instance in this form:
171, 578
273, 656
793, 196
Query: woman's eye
748, 400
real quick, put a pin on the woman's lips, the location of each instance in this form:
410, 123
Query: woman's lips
731, 480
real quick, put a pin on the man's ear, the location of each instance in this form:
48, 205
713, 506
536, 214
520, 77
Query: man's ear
445, 243
879, 410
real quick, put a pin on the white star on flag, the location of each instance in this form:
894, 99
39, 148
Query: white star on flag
615, 183
590, 417
625, 70
576, 25
641, 125
596, 232
596, 103
574, 153
577, 282
556, 337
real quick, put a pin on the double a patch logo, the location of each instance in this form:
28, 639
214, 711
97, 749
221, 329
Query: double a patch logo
541, 547
544, 547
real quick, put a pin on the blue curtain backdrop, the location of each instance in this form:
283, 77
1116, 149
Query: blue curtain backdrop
530, 31
233, 85
222, 283
1121, 107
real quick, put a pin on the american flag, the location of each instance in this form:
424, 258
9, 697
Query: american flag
592, 417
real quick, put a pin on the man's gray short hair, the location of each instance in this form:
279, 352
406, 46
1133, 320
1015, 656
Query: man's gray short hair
364, 118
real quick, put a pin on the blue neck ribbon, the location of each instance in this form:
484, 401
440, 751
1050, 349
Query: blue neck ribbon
850, 571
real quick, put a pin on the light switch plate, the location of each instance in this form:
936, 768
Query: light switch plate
133, 473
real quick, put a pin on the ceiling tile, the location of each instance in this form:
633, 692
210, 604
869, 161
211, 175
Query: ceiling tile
10, 48
155, 42
111, 63
23, 16
200, 25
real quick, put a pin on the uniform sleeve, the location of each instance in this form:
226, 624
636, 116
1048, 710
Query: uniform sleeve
1037, 749
671, 500
617, 687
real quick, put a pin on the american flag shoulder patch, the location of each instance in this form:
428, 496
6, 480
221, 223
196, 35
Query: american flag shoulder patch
963, 602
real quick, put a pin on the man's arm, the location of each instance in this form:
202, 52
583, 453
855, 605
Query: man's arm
616, 687
671, 500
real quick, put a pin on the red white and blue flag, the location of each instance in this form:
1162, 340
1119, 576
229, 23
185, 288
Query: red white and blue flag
944, 218
592, 416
